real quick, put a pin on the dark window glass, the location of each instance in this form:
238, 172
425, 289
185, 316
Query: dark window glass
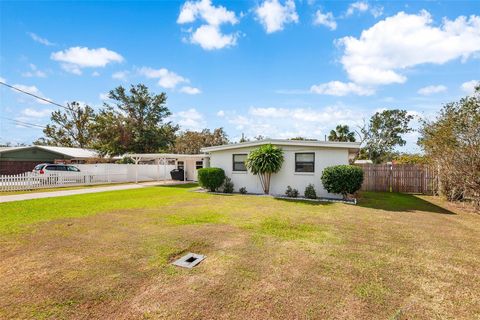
39, 167
73, 169
61, 168
180, 165
304, 162
239, 162
51, 168
198, 165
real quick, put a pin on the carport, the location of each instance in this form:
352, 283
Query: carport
190, 163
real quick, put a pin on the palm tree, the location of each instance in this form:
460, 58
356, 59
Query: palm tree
342, 134
264, 161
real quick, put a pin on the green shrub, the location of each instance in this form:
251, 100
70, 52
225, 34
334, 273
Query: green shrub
228, 185
310, 192
291, 193
342, 179
243, 190
211, 178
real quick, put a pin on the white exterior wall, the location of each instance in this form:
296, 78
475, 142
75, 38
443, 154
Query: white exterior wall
128, 172
324, 157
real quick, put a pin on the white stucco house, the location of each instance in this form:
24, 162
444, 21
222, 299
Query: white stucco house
303, 164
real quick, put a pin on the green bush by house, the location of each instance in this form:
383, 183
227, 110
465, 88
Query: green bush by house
310, 192
228, 185
211, 178
342, 179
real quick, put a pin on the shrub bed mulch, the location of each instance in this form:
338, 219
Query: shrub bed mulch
320, 199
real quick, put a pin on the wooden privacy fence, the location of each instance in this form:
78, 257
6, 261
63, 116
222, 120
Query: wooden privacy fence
409, 178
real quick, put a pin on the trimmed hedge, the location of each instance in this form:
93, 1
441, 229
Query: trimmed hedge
343, 179
211, 178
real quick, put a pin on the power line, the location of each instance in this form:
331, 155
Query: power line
27, 124
34, 95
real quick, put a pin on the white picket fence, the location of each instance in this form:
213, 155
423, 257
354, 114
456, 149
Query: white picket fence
90, 174
30, 181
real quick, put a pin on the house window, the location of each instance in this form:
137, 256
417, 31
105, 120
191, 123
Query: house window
239, 162
180, 165
198, 164
305, 162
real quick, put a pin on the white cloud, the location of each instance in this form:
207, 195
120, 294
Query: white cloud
428, 90
120, 75
3, 80
325, 19
190, 90
166, 79
34, 72
95, 74
363, 6
469, 86
211, 38
190, 119
376, 11
221, 113
322, 116
40, 40
269, 112
32, 113
338, 88
203, 9
31, 89
103, 96
291, 122
274, 16
378, 57
208, 35
359, 6
75, 58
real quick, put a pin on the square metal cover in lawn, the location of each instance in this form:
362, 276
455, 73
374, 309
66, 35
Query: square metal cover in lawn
189, 260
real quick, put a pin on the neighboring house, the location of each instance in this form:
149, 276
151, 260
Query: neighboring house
15, 160
303, 164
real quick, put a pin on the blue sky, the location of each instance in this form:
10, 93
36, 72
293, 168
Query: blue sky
276, 68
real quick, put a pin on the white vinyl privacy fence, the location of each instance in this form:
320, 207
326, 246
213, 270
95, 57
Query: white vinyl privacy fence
89, 174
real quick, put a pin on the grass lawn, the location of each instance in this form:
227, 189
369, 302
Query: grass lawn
106, 255
9, 193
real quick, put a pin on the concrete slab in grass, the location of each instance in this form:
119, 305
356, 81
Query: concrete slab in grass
189, 260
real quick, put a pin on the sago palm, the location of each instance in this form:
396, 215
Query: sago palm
264, 161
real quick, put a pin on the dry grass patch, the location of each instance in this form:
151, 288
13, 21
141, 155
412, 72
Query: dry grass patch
108, 256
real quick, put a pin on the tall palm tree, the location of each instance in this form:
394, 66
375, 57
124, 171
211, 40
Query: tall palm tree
342, 134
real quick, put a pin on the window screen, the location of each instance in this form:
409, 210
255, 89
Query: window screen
239, 162
305, 162
198, 165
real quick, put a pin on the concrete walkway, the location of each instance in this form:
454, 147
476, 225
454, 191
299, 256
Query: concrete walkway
63, 193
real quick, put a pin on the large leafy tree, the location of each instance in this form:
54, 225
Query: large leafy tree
341, 133
264, 161
134, 122
190, 142
383, 133
72, 127
452, 143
